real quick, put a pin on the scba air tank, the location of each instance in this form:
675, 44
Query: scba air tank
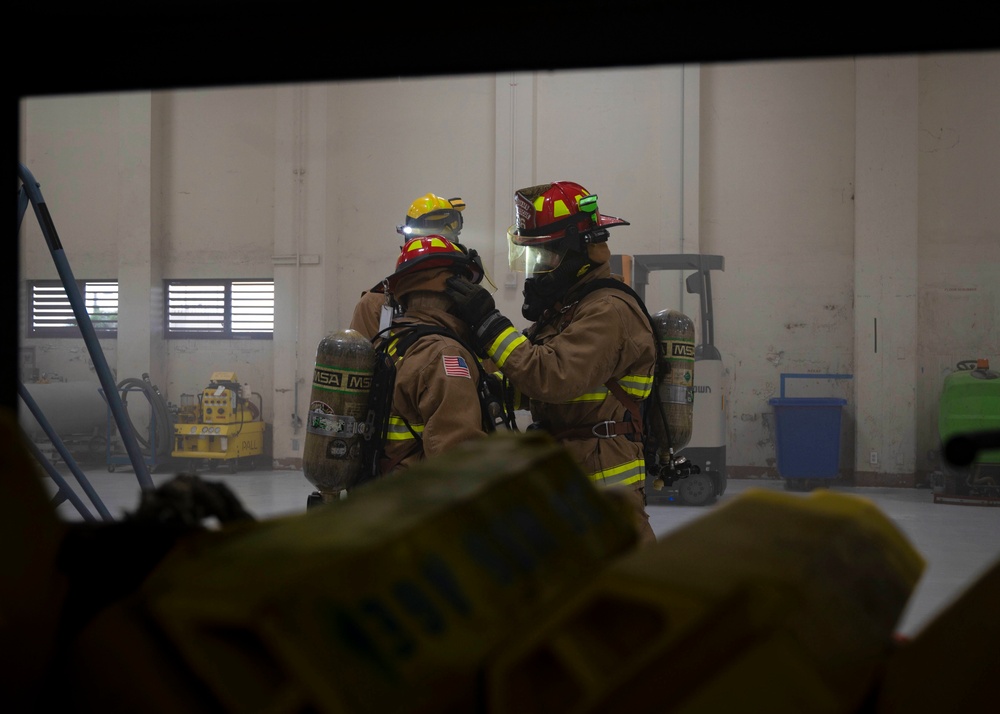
338, 405
675, 385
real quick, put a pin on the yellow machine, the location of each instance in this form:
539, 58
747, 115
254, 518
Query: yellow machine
224, 426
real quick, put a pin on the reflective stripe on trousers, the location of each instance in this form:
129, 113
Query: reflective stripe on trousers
631, 472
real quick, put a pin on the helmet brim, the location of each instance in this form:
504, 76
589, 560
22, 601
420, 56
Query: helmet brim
517, 237
465, 266
607, 221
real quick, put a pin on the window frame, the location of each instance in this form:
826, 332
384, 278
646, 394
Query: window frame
36, 303
225, 330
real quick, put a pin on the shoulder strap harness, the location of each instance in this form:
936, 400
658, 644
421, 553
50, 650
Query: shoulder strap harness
636, 426
391, 347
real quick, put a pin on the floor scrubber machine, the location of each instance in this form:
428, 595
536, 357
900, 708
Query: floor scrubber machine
969, 406
222, 426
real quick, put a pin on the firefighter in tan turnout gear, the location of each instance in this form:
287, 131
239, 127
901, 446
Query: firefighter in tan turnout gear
428, 215
587, 361
435, 401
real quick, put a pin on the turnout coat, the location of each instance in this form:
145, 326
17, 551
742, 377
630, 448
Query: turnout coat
563, 363
435, 402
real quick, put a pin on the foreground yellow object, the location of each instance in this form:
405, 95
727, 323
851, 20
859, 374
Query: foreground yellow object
953, 664
496, 579
387, 601
770, 603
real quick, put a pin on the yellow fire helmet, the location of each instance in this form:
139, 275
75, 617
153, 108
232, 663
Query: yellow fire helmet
432, 215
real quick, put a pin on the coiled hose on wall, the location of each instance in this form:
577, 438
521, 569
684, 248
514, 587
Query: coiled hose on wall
160, 419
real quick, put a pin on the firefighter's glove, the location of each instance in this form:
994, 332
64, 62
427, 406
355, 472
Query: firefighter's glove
475, 306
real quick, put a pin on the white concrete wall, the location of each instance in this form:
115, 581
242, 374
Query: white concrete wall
838, 191
885, 264
958, 214
306, 183
214, 168
70, 144
777, 190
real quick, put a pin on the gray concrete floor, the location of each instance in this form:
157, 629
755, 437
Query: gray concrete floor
959, 542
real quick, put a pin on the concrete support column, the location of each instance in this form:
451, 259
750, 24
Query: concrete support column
303, 309
140, 300
885, 274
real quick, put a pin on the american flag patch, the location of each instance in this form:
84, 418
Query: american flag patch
456, 367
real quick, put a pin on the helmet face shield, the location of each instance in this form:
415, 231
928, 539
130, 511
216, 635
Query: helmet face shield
445, 222
542, 259
542, 254
433, 215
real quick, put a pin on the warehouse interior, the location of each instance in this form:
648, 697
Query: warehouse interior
848, 197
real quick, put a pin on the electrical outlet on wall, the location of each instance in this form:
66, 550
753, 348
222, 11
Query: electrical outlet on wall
873, 458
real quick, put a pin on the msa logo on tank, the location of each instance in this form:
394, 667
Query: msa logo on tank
331, 378
678, 349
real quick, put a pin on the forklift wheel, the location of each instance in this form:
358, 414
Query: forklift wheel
696, 489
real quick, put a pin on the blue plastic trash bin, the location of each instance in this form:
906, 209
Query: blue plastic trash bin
807, 436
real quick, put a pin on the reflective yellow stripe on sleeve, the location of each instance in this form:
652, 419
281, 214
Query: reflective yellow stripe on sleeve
398, 431
636, 385
504, 344
639, 386
598, 395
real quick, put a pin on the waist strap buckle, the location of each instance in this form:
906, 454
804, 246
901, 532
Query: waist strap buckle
605, 429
